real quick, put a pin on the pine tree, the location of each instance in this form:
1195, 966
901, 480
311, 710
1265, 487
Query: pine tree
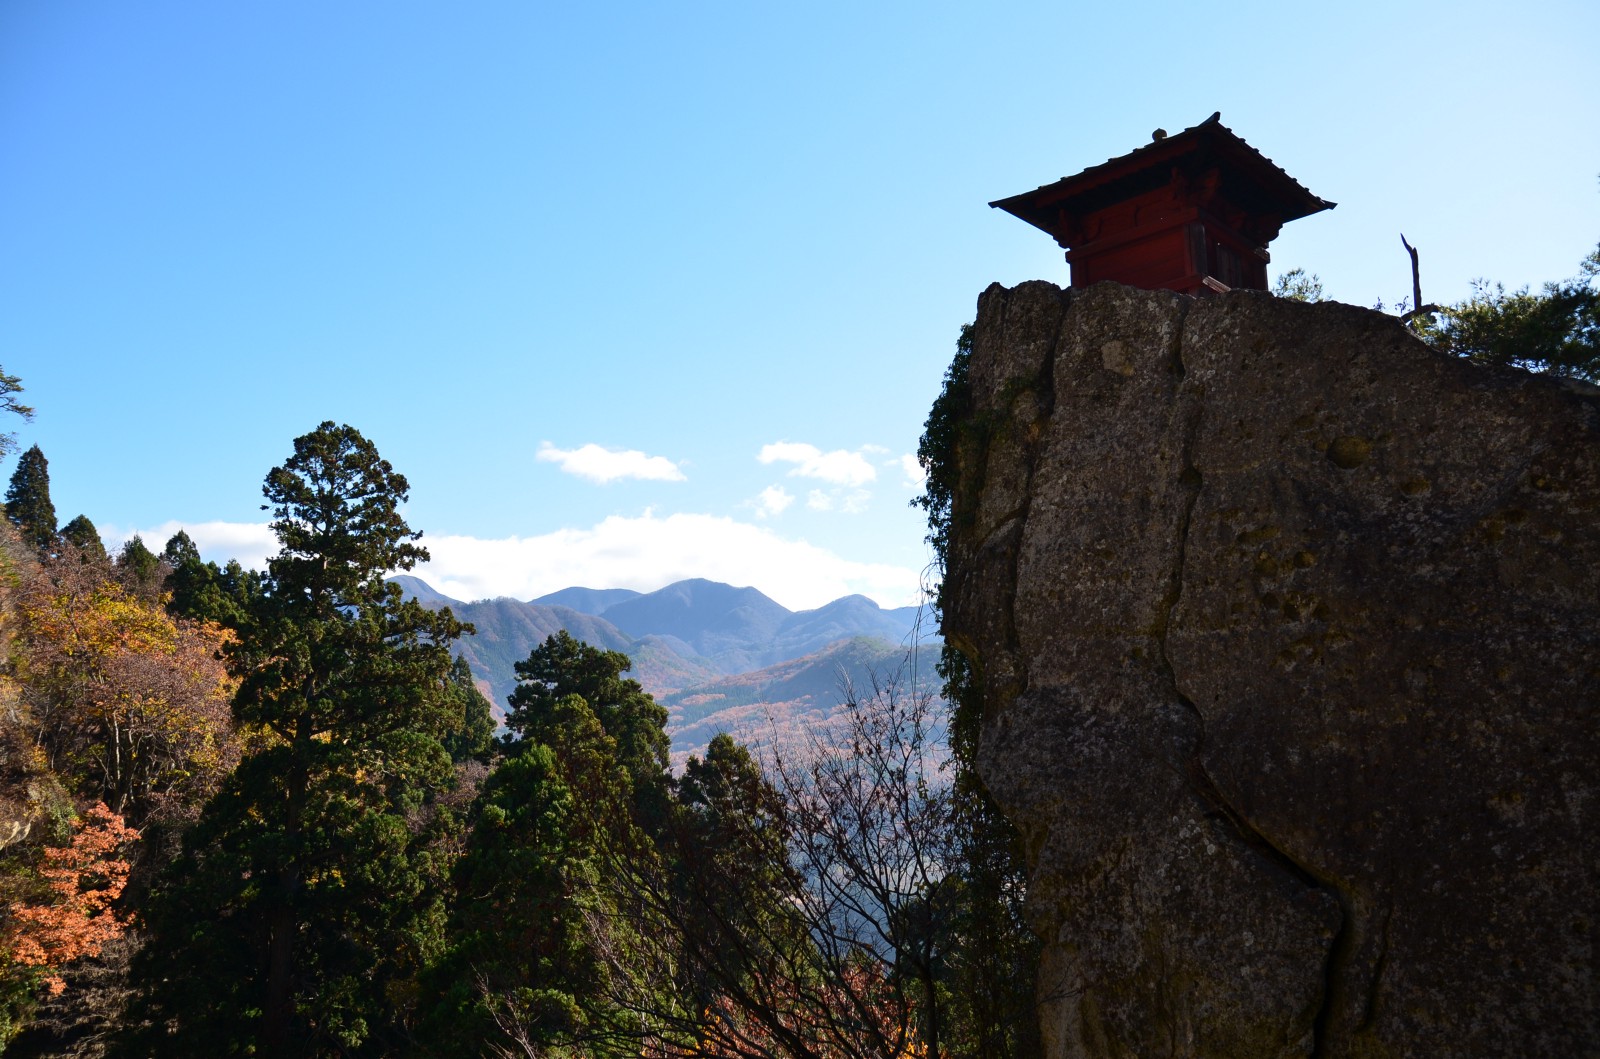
9, 385
308, 895
28, 503
1556, 330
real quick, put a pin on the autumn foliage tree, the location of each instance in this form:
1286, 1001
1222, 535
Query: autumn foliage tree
130, 704
61, 914
77, 916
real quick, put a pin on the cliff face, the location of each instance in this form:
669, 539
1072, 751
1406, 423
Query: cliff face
1288, 630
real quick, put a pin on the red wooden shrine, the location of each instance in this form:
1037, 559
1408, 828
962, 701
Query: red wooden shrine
1192, 212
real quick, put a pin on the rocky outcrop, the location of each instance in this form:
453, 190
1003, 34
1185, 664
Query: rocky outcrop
1288, 632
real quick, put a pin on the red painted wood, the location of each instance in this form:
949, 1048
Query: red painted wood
1190, 213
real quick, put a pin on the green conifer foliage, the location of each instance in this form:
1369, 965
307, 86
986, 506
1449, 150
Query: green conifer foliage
180, 549
309, 894
521, 961
536, 926
471, 730
203, 591
563, 666
28, 503
1555, 330
81, 534
140, 568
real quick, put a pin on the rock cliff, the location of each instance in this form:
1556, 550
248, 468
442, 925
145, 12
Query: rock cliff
1288, 635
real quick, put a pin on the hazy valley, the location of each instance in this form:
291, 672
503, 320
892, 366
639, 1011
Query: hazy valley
720, 658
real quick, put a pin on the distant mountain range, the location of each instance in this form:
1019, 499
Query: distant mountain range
793, 701
700, 647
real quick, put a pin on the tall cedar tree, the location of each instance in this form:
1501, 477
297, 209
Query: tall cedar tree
28, 503
730, 897
471, 731
583, 783
308, 895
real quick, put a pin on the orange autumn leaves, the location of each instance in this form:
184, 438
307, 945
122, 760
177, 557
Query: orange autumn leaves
84, 878
117, 705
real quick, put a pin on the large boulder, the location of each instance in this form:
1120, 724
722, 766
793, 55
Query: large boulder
1288, 634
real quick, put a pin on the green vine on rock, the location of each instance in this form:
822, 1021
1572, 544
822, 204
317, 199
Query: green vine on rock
937, 449
996, 967
938, 453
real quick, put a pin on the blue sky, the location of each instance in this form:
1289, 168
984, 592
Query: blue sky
515, 242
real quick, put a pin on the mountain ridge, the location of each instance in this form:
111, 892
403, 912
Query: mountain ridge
687, 635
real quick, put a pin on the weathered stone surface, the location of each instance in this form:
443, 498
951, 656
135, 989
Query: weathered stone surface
1288, 629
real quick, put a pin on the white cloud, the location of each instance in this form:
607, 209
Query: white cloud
774, 500
642, 553
249, 542
854, 502
840, 467
911, 467
648, 552
607, 465
848, 501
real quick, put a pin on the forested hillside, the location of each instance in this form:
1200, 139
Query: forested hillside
266, 813
794, 701
679, 637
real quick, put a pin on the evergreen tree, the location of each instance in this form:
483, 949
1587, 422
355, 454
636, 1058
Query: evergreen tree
471, 730
1555, 330
536, 929
28, 503
308, 896
563, 666
140, 569
180, 549
202, 591
523, 966
81, 534
733, 885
